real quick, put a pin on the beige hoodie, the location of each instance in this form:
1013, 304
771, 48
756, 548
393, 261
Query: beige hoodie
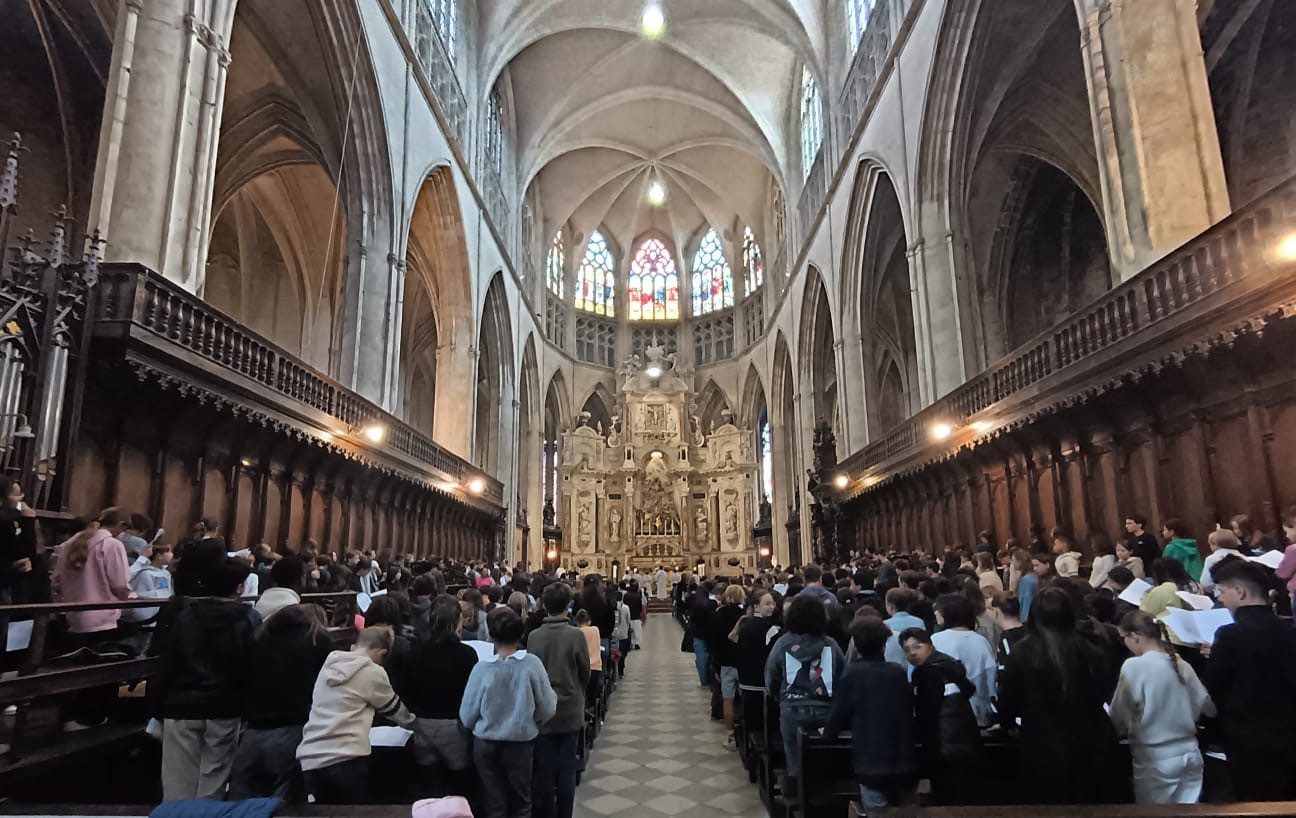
349, 690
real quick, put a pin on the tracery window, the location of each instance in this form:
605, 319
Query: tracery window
652, 292
712, 278
555, 265
445, 14
811, 120
753, 262
595, 279
766, 456
494, 141
857, 20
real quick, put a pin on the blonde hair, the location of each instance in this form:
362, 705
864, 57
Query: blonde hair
1223, 538
734, 595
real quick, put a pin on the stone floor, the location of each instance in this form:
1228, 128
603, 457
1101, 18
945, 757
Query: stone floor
660, 754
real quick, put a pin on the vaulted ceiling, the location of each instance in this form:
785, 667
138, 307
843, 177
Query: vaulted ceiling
602, 111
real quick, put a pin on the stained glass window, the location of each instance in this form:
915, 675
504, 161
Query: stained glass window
753, 264
494, 142
652, 292
766, 456
857, 20
595, 279
555, 265
811, 120
712, 278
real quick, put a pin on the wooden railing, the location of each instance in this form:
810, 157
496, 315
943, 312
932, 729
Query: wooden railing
1227, 266
140, 300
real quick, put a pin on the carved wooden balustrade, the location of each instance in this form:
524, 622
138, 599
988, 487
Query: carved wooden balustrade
163, 325
1224, 278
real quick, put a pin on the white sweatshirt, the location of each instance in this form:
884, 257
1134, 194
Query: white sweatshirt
349, 690
1156, 709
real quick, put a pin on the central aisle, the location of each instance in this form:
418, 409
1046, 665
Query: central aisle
660, 751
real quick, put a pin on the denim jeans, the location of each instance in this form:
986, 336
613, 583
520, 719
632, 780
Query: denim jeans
876, 799
791, 719
700, 660
553, 781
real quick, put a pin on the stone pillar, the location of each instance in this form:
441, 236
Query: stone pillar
1154, 127
157, 144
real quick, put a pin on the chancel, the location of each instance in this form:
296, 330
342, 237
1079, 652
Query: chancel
555, 408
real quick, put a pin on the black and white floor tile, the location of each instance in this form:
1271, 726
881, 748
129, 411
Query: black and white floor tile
660, 753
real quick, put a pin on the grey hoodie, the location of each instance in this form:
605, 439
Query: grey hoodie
804, 669
349, 690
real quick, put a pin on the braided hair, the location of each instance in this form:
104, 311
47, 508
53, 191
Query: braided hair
1147, 626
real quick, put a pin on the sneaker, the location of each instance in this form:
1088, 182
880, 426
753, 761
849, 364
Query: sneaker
730, 744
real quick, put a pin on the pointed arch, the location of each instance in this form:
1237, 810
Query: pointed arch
785, 446
557, 419
712, 405
438, 324
599, 404
530, 462
817, 351
495, 380
653, 282
713, 286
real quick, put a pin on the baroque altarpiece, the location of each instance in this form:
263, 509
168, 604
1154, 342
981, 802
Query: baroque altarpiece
656, 488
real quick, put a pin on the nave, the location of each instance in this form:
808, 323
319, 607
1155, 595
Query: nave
659, 753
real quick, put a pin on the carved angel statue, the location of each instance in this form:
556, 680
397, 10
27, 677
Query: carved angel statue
631, 366
584, 525
700, 523
731, 519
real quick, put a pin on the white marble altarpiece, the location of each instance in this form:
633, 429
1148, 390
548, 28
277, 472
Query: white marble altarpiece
656, 489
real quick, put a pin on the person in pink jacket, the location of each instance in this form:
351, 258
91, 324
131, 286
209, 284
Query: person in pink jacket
1287, 568
92, 567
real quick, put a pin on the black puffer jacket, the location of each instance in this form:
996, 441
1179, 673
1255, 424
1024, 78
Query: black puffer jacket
204, 659
947, 727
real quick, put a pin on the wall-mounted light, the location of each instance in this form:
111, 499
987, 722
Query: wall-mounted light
653, 22
653, 371
841, 481
477, 485
372, 431
655, 454
551, 554
941, 431
1286, 248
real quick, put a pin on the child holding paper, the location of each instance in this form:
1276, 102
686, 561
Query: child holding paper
1157, 704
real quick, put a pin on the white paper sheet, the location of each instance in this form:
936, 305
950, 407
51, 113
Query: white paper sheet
1200, 602
485, 650
1136, 591
389, 736
19, 635
1269, 559
1197, 627
363, 601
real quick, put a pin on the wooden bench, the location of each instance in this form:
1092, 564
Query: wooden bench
1243, 810
37, 743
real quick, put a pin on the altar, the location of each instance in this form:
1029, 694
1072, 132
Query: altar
656, 489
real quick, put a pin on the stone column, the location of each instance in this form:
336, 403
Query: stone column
157, 144
1154, 127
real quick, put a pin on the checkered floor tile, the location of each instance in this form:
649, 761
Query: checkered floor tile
659, 753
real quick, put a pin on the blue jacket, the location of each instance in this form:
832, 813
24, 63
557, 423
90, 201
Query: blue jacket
508, 699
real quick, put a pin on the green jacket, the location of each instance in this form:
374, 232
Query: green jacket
1185, 550
562, 649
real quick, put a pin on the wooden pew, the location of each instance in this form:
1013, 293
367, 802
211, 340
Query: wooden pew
37, 743
1243, 810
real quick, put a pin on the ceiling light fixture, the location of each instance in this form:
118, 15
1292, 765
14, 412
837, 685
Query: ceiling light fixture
656, 194
653, 22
